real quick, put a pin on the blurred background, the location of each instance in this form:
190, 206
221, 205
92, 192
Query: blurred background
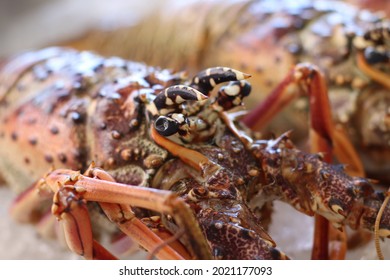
26, 24
29, 24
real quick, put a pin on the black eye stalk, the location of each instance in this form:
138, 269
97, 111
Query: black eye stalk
375, 44
374, 56
168, 110
166, 126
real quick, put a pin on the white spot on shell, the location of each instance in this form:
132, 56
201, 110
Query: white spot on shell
360, 43
152, 109
232, 90
178, 117
218, 225
253, 172
212, 82
168, 101
192, 196
336, 208
179, 99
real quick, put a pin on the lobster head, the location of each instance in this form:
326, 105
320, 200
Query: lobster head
216, 173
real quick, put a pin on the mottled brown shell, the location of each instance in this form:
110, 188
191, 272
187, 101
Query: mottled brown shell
266, 38
61, 108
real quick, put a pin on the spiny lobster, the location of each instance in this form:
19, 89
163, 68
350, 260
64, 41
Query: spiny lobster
163, 157
267, 38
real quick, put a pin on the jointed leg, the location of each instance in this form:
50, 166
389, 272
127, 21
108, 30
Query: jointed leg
325, 137
308, 78
123, 216
113, 196
70, 207
372, 50
377, 225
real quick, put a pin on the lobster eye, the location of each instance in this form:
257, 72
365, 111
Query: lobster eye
374, 56
166, 126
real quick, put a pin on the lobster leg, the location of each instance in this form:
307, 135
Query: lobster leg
372, 49
313, 186
112, 196
261, 244
324, 233
133, 227
24, 210
308, 78
71, 209
324, 135
371, 72
191, 157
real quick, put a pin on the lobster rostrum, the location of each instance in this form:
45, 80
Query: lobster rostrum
268, 38
164, 157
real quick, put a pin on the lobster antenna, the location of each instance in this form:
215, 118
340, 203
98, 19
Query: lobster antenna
206, 80
171, 239
377, 223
